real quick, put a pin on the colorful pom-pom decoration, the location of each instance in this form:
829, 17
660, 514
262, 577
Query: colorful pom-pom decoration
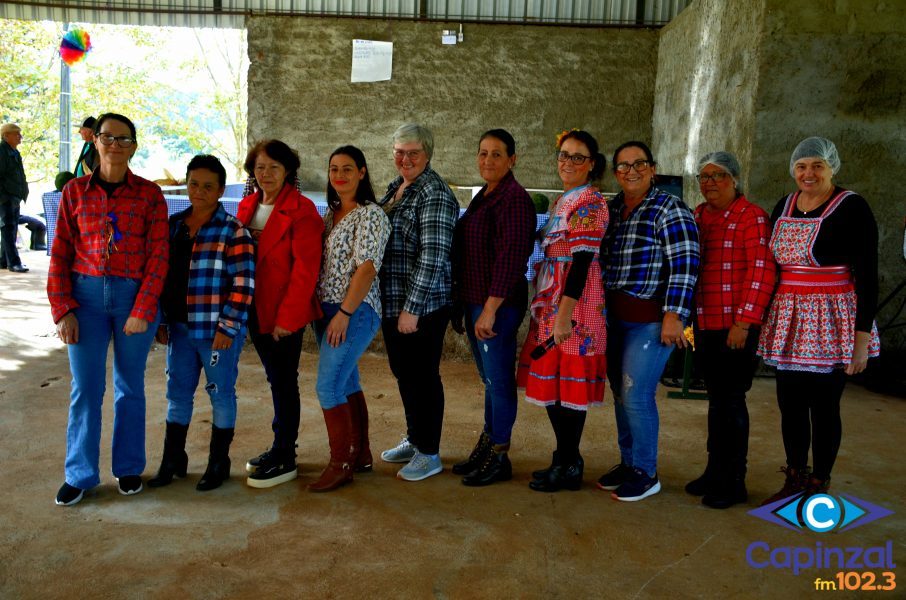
75, 46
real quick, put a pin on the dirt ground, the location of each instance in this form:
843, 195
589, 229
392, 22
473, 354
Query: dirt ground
384, 538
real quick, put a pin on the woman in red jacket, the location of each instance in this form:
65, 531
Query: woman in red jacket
287, 229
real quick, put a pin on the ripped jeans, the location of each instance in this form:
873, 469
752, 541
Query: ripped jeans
635, 362
186, 358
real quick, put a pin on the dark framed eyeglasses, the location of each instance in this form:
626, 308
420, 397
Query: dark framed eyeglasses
123, 141
715, 177
576, 159
639, 166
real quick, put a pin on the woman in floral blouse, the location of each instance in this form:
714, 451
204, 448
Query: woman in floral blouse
356, 231
568, 312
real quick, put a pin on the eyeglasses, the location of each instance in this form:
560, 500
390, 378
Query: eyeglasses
576, 159
639, 166
123, 141
715, 177
410, 154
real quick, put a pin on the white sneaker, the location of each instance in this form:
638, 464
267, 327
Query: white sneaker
421, 467
401, 453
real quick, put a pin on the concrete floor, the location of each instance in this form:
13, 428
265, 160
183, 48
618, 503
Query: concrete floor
384, 538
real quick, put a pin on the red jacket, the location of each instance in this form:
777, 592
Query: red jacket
288, 261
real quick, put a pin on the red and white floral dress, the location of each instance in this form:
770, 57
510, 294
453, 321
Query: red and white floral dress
811, 323
574, 372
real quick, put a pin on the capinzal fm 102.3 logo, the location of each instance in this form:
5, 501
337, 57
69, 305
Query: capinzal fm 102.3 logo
821, 513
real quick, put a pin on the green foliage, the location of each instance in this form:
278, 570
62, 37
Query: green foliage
182, 103
541, 202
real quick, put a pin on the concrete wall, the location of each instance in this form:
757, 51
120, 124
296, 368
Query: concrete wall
756, 77
534, 81
706, 87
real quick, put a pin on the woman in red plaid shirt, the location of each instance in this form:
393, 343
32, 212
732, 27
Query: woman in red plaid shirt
735, 282
107, 269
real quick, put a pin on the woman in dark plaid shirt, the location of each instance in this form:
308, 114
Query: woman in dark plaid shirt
491, 245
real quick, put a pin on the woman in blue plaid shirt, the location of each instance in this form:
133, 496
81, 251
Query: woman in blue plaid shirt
205, 304
650, 259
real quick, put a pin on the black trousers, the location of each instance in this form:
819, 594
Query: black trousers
810, 415
415, 362
281, 365
728, 377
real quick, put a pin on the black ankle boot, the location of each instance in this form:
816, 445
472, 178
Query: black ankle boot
476, 458
560, 477
704, 484
727, 492
218, 469
496, 467
175, 460
542, 473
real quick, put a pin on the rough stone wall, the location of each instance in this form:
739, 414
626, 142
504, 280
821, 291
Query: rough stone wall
534, 81
706, 87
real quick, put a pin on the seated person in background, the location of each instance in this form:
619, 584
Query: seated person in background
205, 305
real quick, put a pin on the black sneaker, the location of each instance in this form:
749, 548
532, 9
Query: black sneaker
615, 477
129, 484
639, 487
253, 463
68, 495
279, 467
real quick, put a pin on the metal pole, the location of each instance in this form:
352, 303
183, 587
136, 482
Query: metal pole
65, 110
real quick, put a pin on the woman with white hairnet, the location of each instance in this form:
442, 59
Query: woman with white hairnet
735, 283
820, 327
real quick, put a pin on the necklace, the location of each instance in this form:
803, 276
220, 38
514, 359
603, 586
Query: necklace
816, 206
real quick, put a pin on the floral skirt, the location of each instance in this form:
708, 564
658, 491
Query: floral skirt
576, 381
811, 326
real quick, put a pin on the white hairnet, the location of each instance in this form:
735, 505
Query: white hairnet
724, 160
816, 147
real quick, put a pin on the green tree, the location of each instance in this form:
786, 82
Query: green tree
182, 102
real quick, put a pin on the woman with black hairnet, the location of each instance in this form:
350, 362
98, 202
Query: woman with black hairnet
735, 283
820, 327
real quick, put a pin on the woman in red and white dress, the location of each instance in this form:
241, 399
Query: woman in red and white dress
820, 327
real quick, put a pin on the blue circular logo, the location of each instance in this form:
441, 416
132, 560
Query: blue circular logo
821, 512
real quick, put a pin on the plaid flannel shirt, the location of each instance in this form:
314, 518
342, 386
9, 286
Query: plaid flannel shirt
737, 271
415, 276
86, 241
493, 242
221, 275
654, 253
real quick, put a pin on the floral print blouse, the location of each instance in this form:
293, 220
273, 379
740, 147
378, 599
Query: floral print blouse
360, 236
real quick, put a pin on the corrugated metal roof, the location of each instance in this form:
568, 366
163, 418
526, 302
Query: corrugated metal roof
231, 13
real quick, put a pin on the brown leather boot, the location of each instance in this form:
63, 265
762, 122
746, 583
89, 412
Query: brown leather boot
358, 411
794, 483
339, 470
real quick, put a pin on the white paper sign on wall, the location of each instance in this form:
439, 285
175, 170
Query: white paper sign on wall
371, 61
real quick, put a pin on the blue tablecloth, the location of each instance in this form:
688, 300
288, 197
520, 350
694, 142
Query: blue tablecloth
175, 204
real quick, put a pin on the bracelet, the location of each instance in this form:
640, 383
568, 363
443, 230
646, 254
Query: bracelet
347, 313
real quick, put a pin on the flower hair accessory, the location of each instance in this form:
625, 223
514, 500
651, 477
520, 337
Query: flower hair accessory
562, 135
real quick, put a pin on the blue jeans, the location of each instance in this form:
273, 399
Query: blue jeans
186, 357
338, 370
496, 362
104, 307
635, 362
